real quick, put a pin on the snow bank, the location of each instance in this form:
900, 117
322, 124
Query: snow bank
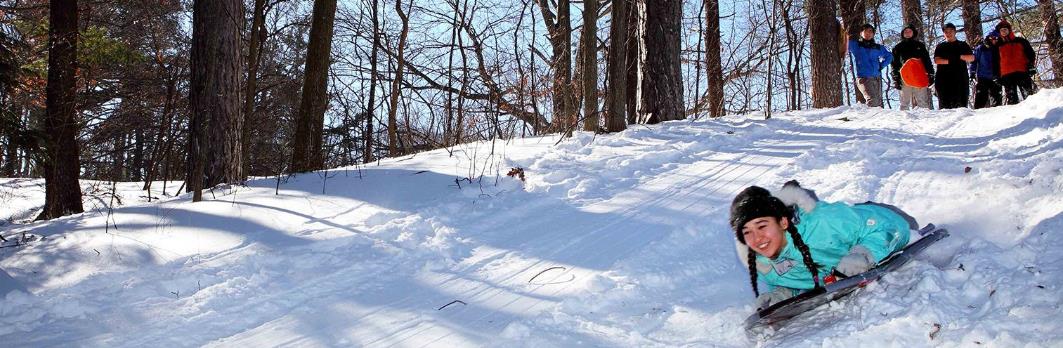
614, 240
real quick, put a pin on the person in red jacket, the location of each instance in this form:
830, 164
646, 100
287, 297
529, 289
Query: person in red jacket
1017, 60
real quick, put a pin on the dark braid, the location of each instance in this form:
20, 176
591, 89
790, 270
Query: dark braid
752, 263
805, 253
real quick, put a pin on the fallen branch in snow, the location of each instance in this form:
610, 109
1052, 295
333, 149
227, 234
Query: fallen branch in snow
452, 302
457, 181
544, 271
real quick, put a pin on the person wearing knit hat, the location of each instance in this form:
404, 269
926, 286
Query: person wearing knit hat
1017, 64
985, 71
952, 57
913, 94
792, 241
869, 58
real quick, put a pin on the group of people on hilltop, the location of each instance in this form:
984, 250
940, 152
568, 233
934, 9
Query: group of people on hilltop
1001, 67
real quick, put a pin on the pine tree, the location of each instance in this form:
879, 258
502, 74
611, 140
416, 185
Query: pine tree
61, 163
214, 149
310, 124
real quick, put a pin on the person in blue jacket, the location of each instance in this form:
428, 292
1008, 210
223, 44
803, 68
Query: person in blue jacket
870, 58
985, 71
792, 241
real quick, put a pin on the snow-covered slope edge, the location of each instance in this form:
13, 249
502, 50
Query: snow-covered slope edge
615, 240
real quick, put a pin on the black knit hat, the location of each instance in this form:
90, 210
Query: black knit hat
915, 32
949, 25
867, 26
755, 202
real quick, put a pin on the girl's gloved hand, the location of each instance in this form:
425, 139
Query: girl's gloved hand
858, 261
780, 294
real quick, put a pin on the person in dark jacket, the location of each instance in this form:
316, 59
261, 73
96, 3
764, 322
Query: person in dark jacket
1017, 60
984, 70
870, 58
911, 48
952, 57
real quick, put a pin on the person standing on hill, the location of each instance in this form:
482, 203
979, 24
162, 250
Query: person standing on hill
870, 58
1017, 59
985, 71
952, 57
919, 74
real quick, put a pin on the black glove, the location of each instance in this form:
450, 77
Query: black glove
930, 77
1031, 72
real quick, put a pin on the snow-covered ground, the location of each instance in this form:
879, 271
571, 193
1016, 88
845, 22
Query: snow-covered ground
614, 240
23, 198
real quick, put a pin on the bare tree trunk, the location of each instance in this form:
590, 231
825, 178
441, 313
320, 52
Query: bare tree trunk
826, 62
163, 131
577, 83
912, 14
560, 30
590, 65
396, 84
309, 128
854, 15
61, 164
660, 74
632, 70
367, 150
792, 62
11, 150
713, 66
972, 21
258, 35
448, 125
1053, 39
616, 68
215, 94
138, 154
459, 135
772, 29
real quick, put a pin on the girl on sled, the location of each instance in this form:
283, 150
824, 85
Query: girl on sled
792, 241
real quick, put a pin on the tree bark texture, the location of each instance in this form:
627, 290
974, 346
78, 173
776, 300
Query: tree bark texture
564, 114
912, 14
1053, 38
214, 139
258, 35
310, 124
972, 21
713, 66
61, 163
590, 65
660, 86
616, 68
632, 90
396, 83
854, 16
826, 62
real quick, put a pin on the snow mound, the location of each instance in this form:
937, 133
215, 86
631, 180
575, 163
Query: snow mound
613, 240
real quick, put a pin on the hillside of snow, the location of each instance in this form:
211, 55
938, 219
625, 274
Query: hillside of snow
613, 240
